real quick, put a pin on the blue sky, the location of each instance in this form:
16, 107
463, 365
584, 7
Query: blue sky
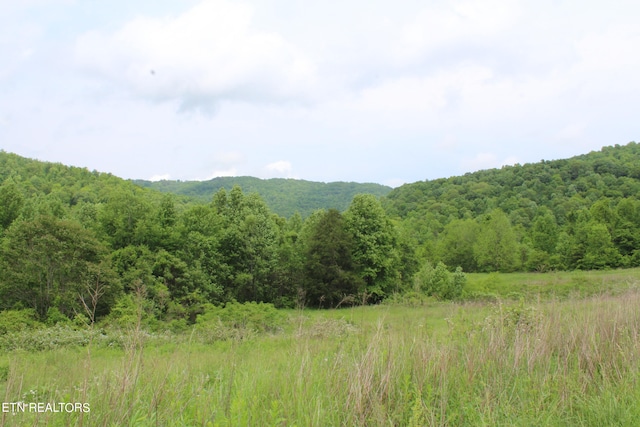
365, 91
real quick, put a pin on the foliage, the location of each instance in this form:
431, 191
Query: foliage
562, 214
236, 319
496, 247
374, 246
50, 338
18, 320
439, 282
456, 246
285, 197
77, 245
44, 262
329, 269
11, 201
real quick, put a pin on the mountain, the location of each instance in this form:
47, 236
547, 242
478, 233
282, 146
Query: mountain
283, 196
66, 232
576, 213
561, 185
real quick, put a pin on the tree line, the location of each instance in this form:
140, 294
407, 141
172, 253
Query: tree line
578, 213
70, 237
74, 241
284, 197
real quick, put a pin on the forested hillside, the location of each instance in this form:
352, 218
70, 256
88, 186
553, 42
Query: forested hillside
581, 212
80, 243
73, 239
283, 196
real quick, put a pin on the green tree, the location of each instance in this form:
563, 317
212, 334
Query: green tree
11, 202
439, 282
544, 232
328, 265
374, 250
156, 227
626, 236
602, 212
122, 215
45, 263
408, 259
496, 248
288, 274
543, 238
456, 244
199, 230
247, 245
597, 247
134, 264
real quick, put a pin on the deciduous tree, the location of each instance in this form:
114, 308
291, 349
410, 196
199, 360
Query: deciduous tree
45, 263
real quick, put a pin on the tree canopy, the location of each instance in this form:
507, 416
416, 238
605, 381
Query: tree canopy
555, 212
67, 233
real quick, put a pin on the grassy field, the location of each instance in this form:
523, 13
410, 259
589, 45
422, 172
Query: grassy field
528, 349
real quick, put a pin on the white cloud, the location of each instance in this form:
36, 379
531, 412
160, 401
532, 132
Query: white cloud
425, 94
225, 163
401, 90
610, 50
220, 173
163, 177
279, 169
208, 54
281, 166
438, 27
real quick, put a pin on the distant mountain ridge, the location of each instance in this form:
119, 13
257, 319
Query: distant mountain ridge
284, 196
577, 213
562, 185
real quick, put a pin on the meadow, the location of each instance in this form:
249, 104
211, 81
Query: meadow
520, 349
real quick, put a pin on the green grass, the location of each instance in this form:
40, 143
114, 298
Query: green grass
547, 358
562, 284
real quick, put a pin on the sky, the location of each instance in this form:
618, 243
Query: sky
350, 90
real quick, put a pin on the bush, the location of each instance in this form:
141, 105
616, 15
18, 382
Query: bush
59, 336
129, 310
439, 282
55, 316
235, 320
18, 320
515, 317
409, 299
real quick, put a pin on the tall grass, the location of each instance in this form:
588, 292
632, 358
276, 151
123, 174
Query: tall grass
555, 362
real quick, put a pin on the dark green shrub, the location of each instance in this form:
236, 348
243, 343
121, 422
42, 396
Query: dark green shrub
55, 316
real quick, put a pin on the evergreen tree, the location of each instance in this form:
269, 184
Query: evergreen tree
329, 267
